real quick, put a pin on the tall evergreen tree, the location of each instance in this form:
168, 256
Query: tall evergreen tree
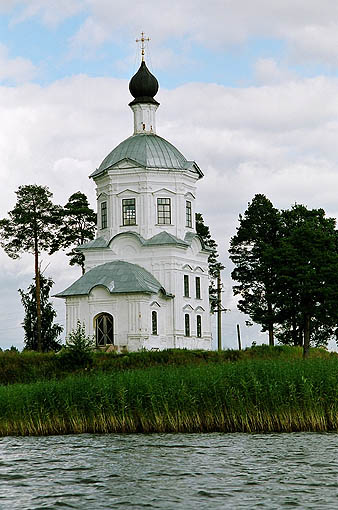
31, 227
49, 330
251, 251
214, 265
78, 224
306, 289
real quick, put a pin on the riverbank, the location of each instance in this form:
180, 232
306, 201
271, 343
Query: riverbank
247, 396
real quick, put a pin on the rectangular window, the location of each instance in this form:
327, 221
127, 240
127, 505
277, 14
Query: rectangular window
198, 287
154, 323
129, 211
186, 285
199, 326
188, 214
187, 324
103, 214
163, 211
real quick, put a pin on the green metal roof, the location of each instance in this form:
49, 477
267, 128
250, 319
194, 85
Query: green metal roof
149, 151
118, 277
164, 238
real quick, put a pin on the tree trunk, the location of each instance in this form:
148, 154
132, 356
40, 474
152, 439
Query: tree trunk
306, 346
270, 325
294, 331
37, 289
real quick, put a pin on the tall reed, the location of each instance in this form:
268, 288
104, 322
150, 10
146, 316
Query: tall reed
247, 396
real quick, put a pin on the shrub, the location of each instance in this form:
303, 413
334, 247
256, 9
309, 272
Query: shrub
78, 352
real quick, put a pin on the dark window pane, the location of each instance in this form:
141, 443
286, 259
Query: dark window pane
104, 215
186, 285
198, 287
187, 324
199, 326
154, 323
129, 211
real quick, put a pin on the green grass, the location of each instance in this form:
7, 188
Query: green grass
29, 367
260, 395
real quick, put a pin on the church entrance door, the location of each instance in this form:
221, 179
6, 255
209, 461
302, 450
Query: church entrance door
104, 330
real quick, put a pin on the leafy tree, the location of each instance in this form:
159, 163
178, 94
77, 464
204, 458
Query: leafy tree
78, 224
49, 330
31, 227
251, 251
307, 275
214, 266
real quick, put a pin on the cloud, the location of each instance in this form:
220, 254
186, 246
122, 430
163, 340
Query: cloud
268, 72
15, 70
306, 30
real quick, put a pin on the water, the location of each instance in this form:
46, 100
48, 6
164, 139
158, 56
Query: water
164, 471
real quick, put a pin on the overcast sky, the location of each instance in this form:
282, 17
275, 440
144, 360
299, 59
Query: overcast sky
248, 89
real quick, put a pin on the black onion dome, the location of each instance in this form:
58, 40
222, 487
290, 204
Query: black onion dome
143, 86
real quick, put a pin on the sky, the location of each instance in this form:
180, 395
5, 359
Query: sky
248, 89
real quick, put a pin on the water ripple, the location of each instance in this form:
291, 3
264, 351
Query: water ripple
163, 471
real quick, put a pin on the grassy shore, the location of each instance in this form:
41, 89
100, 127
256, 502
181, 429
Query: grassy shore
29, 367
250, 395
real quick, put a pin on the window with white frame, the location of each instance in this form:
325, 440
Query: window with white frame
128, 211
104, 216
163, 211
188, 214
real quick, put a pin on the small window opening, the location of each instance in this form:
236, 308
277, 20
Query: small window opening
154, 323
198, 287
199, 326
104, 215
187, 324
186, 285
188, 214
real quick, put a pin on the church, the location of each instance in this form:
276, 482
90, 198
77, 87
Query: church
146, 281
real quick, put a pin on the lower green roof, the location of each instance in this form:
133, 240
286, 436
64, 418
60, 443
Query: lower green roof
118, 277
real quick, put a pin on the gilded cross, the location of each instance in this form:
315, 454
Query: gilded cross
142, 41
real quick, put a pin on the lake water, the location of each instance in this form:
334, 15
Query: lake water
170, 471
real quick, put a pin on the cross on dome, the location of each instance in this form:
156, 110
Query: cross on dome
142, 41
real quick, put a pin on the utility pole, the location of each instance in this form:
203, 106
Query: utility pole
219, 311
239, 338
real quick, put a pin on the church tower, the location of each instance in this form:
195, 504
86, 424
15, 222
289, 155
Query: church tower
146, 283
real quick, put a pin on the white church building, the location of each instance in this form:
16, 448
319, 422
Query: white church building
146, 282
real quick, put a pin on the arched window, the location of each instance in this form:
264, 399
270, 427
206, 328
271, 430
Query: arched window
154, 323
199, 326
187, 324
104, 330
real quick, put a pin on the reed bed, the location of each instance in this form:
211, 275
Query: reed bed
247, 396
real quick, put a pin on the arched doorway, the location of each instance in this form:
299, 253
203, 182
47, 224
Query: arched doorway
104, 330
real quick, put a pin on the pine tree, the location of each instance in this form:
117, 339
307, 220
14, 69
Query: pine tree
49, 330
31, 227
306, 287
78, 224
251, 251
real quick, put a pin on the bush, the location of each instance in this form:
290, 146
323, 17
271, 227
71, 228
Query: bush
78, 352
